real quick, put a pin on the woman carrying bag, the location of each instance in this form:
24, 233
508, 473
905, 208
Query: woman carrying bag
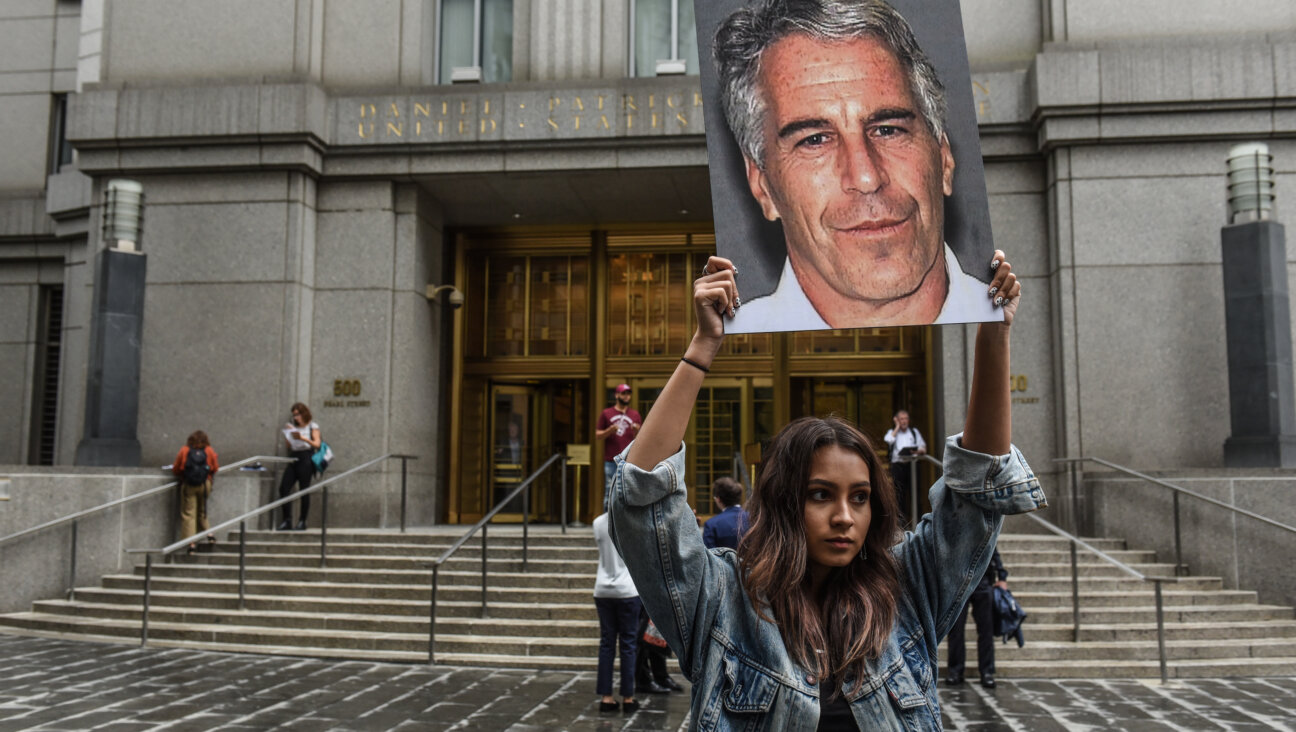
303, 438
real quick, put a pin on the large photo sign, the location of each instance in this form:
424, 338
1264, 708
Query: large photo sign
846, 172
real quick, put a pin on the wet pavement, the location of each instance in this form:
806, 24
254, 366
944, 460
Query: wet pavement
73, 685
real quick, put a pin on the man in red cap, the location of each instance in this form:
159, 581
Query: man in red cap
617, 427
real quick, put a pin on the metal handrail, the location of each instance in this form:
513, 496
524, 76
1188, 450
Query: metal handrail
320, 487
482, 524
1179, 565
1075, 543
74, 518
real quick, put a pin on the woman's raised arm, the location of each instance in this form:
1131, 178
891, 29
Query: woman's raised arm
988, 428
715, 294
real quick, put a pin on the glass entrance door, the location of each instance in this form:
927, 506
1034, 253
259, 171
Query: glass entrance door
529, 423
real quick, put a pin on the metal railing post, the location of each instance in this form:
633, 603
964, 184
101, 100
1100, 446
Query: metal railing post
148, 582
242, 565
1161, 647
1075, 594
404, 494
563, 494
1074, 469
913, 493
483, 609
1178, 544
71, 590
526, 512
436, 570
324, 527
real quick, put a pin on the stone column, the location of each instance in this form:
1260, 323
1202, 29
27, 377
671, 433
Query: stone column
1262, 398
113, 383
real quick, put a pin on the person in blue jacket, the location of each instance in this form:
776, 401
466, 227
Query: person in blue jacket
725, 528
982, 605
826, 617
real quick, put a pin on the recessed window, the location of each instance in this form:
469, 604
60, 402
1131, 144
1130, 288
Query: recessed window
663, 38
476, 41
60, 148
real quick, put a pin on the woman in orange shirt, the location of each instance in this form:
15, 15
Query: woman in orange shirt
196, 466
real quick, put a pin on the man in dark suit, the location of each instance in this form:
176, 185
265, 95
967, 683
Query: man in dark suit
728, 526
982, 604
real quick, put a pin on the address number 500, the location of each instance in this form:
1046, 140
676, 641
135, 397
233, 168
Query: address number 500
346, 387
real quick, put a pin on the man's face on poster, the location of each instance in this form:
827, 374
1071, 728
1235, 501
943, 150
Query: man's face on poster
851, 167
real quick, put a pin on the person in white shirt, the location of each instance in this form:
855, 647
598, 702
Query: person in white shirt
618, 606
903, 440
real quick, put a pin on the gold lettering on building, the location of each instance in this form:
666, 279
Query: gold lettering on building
629, 103
394, 128
604, 121
362, 130
483, 125
579, 104
552, 123
682, 120
424, 109
395, 111
368, 110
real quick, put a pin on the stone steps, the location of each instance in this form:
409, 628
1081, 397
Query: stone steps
371, 602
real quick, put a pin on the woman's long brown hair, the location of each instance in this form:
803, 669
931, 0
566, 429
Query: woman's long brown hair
852, 619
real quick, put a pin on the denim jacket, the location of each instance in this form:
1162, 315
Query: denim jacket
743, 677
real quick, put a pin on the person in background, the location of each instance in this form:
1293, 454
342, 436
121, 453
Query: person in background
903, 441
618, 606
195, 465
303, 437
982, 604
617, 427
725, 528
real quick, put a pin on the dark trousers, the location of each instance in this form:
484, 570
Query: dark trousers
982, 604
651, 665
900, 478
300, 473
618, 619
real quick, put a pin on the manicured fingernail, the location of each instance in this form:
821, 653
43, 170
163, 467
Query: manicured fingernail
994, 264
738, 301
999, 301
993, 290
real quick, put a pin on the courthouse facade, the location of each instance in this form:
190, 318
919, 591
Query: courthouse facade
313, 169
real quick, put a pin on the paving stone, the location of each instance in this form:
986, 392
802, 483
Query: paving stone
57, 685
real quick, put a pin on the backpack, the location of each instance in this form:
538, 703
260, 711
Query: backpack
1008, 616
196, 468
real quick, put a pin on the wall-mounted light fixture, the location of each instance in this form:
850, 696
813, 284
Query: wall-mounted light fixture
455, 298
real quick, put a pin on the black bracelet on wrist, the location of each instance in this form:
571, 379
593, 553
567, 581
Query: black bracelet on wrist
695, 364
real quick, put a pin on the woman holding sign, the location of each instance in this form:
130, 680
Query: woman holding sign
303, 437
825, 617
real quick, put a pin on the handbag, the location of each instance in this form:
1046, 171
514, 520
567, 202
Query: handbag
652, 636
322, 457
